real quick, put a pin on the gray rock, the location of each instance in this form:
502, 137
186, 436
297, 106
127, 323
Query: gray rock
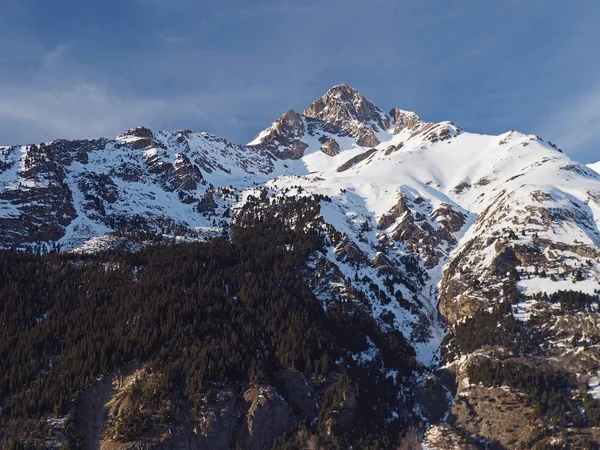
267, 417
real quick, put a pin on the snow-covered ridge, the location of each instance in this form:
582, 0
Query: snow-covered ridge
595, 167
425, 199
421, 218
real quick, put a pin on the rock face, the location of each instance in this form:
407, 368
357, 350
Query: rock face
355, 160
346, 108
39, 204
223, 421
268, 416
430, 232
405, 120
298, 393
341, 114
341, 417
207, 203
286, 133
217, 422
330, 147
138, 138
287, 137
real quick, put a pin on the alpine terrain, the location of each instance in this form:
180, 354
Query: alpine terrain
351, 278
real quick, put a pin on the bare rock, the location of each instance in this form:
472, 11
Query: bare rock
367, 138
297, 392
207, 203
355, 160
405, 120
295, 150
394, 213
341, 418
349, 110
393, 148
432, 397
216, 422
496, 414
349, 251
186, 174
267, 417
284, 137
330, 147
447, 216
384, 264
138, 138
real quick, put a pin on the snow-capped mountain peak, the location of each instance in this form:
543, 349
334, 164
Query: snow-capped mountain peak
345, 107
289, 126
344, 119
427, 228
138, 137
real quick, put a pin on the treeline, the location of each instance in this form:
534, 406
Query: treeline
494, 327
550, 392
570, 301
200, 314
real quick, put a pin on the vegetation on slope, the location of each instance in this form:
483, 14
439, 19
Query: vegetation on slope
202, 315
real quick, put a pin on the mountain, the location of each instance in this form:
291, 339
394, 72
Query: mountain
482, 251
595, 167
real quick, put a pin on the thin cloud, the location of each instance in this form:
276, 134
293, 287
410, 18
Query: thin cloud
576, 126
55, 54
170, 38
82, 110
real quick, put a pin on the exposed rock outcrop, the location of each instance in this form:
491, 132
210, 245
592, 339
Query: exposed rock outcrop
330, 147
298, 393
138, 138
267, 417
405, 120
346, 108
207, 203
355, 160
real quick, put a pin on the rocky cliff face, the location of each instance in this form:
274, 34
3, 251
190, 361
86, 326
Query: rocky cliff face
268, 417
349, 110
471, 246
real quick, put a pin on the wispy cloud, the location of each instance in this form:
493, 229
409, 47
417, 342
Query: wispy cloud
170, 38
55, 54
576, 125
81, 110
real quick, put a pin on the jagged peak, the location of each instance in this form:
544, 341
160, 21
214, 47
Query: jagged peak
403, 119
138, 132
395, 112
343, 89
138, 137
346, 108
290, 114
289, 124
344, 102
290, 119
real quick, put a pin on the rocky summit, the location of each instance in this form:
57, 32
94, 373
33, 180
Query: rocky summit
478, 255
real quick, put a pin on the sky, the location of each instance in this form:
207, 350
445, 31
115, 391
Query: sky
82, 69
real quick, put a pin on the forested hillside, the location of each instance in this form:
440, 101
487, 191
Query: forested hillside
200, 317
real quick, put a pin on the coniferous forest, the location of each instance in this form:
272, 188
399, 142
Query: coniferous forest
200, 316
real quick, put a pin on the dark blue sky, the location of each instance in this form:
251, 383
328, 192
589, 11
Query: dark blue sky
95, 68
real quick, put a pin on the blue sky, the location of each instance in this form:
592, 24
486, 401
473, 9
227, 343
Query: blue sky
92, 68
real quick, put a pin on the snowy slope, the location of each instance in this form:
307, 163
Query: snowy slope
423, 200
512, 181
595, 167
426, 224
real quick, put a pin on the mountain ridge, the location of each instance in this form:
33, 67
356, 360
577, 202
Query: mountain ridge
428, 229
